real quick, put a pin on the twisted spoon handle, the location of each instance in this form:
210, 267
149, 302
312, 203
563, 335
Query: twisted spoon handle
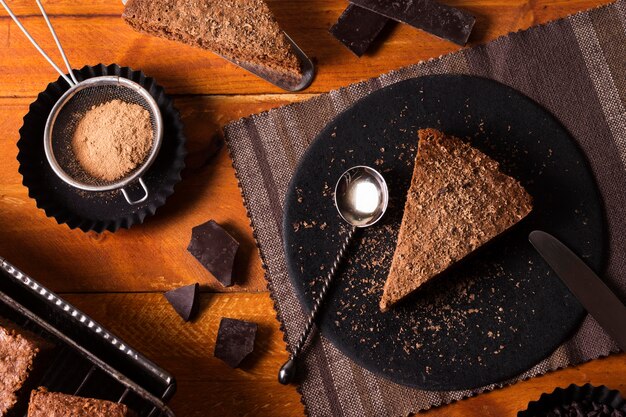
288, 370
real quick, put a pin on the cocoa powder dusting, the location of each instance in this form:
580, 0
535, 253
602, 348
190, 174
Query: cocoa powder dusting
112, 139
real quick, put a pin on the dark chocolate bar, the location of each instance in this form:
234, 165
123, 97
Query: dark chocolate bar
357, 28
438, 19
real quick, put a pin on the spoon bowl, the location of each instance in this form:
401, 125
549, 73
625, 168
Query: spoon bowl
361, 196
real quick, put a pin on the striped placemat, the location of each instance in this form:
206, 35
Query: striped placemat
575, 67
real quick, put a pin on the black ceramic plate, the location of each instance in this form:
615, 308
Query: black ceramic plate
99, 211
496, 313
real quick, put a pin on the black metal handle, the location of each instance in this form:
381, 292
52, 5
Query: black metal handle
288, 370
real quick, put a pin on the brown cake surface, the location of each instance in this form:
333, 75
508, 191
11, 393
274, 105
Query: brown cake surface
18, 351
54, 404
458, 201
242, 30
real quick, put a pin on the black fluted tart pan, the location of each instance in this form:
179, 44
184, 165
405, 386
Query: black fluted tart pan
583, 401
108, 210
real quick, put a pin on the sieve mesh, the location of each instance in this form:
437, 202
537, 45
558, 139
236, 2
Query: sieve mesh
70, 112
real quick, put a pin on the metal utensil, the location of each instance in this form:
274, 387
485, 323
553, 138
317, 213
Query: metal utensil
72, 106
288, 83
361, 197
63, 121
586, 286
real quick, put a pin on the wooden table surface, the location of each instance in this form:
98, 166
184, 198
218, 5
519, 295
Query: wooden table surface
119, 278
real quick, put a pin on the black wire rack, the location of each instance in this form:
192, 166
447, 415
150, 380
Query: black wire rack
87, 360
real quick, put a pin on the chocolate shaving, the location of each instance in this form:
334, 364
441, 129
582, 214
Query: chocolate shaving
184, 300
215, 249
235, 341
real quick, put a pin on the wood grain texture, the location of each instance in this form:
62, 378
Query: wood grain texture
152, 256
210, 92
208, 387
94, 33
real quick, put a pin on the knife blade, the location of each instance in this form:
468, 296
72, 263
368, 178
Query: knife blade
586, 286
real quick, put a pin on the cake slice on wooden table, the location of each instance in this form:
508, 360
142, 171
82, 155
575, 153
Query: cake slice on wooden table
244, 31
55, 404
20, 353
458, 201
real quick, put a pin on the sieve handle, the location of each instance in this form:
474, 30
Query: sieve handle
142, 199
73, 81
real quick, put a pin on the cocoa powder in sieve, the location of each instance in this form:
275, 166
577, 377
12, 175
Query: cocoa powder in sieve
112, 139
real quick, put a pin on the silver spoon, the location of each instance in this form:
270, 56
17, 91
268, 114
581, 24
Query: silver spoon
361, 197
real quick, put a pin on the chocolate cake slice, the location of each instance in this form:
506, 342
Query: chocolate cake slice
55, 404
458, 201
244, 31
20, 352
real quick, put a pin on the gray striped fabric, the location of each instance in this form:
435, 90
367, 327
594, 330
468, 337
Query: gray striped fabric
574, 67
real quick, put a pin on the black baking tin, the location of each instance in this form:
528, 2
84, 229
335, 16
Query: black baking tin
87, 359
108, 210
574, 393
538, 312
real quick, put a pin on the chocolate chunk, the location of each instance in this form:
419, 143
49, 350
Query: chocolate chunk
235, 341
184, 300
357, 28
215, 249
440, 20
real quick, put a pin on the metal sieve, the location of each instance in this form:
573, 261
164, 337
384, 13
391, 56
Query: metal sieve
72, 107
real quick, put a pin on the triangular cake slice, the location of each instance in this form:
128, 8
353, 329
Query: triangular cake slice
458, 201
244, 31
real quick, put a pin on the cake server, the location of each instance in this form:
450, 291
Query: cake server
586, 286
361, 198
286, 83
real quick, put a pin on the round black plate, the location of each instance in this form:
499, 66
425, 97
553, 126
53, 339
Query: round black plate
496, 313
108, 210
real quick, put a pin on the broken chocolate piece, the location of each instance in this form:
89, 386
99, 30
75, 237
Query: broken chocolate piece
357, 28
438, 19
235, 341
215, 249
184, 300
